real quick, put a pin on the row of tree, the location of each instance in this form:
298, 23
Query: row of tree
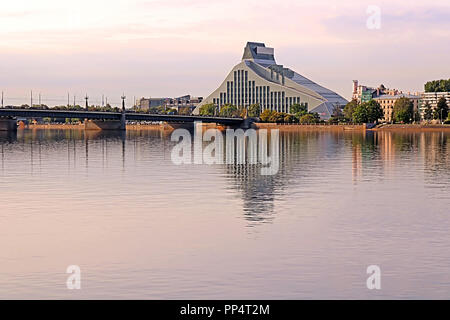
229, 111
438, 86
403, 111
367, 112
298, 113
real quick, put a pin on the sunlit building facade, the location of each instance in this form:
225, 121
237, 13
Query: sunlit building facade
387, 103
259, 79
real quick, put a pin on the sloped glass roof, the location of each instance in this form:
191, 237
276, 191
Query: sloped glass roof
266, 60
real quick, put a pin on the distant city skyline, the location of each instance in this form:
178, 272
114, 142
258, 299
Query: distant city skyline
172, 48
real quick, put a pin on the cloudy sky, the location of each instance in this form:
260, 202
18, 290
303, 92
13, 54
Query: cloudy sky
175, 47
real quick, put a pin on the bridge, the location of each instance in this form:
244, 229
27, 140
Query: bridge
118, 117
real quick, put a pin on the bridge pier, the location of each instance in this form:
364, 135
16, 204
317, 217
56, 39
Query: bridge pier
8, 125
247, 123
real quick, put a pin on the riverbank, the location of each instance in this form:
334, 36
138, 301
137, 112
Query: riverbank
281, 126
301, 127
82, 126
412, 127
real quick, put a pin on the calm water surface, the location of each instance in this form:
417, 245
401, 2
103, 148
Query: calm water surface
141, 227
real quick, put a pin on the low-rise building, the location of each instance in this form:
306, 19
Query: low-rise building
363, 93
147, 103
387, 102
432, 98
186, 103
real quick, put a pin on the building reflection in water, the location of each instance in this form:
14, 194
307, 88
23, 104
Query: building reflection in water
304, 156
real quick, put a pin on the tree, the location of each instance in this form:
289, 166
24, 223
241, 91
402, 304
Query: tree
428, 113
417, 116
277, 117
298, 108
265, 115
349, 108
289, 118
337, 116
207, 110
337, 112
403, 110
374, 111
308, 119
254, 110
438, 86
367, 112
441, 111
359, 114
228, 111
153, 110
185, 111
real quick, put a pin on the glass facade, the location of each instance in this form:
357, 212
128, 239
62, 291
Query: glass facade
241, 91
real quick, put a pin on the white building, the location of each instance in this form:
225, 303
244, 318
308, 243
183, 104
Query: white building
432, 98
259, 79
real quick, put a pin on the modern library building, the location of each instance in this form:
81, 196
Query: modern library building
259, 79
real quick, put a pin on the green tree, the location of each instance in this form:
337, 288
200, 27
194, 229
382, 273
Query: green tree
428, 113
417, 116
403, 110
337, 116
228, 111
153, 110
441, 111
308, 119
374, 111
277, 117
265, 115
289, 118
349, 108
438, 86
297, 108
254, 110
359, 114
367, 112
207, 110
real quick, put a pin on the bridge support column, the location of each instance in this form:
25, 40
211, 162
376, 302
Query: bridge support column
8, 125
123, 122
247, 123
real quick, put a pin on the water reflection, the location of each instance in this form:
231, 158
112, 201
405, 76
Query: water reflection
140, 226
305, 158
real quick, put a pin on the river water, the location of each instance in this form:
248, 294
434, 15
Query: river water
139, 226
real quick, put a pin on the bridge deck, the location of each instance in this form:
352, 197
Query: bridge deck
131, 116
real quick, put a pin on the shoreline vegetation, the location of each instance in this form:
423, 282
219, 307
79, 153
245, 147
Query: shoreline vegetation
261, 125
355, 115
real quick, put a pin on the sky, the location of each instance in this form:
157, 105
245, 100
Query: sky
168, 48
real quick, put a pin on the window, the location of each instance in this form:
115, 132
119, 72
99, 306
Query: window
264, 97
254, 96
271, 100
